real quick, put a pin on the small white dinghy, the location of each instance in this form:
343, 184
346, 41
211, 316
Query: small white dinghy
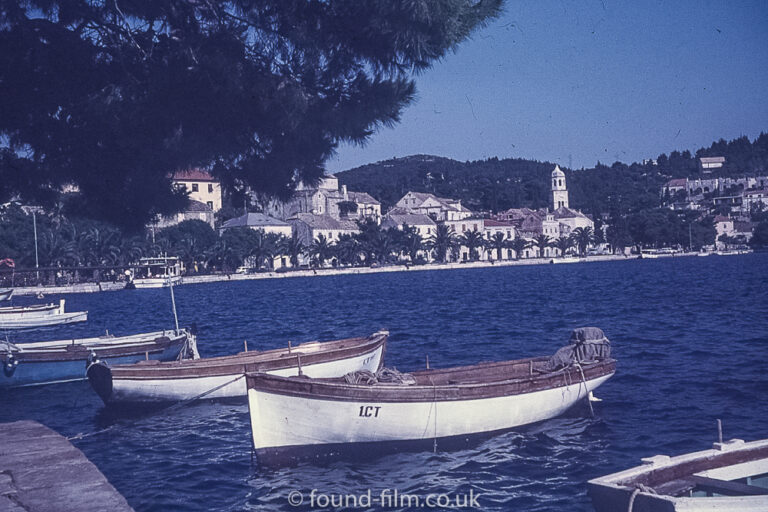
152, 382
6, 294
43, 315
732, 476
299, 417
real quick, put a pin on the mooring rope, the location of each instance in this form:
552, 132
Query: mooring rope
173, 407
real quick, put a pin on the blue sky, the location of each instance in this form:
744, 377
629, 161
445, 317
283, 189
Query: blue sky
587, 80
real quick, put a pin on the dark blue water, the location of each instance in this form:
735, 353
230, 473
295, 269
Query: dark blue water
690, 334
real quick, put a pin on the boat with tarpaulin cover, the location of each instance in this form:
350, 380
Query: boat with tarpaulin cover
299, 417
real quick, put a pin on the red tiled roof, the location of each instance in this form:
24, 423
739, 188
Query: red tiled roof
722, 218
677, 182
497, 223
193, 175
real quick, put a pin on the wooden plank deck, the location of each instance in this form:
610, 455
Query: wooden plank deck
40, 471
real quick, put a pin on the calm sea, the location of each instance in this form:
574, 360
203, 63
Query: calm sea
690, 335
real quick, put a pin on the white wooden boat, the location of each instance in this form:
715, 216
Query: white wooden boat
6, 294
156, 282
566, 259
156, 272
732, 476
45, 362
297, 418
224, 377
24, 317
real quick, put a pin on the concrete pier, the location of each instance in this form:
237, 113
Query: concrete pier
40, 471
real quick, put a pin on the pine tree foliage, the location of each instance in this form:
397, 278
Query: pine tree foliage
113, 96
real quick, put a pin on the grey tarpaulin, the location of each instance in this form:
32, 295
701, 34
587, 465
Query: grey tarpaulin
585, 344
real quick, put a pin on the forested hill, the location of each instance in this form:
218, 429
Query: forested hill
496, 185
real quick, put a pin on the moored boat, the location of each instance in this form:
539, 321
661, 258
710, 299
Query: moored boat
224, 377
42, 315
732, 476
46, 362
158, 272
6, 294
297, 418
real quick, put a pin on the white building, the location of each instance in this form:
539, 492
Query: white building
307, 227
201, 185
260, 221
423, 224
754, 198
491, 228
440, 209
195, 210
325, 199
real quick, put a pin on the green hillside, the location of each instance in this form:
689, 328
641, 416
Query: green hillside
495, 184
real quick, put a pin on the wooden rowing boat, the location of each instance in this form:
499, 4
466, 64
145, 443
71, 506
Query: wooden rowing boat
732, 476
223, 377
42, 315
45, 362
298, 417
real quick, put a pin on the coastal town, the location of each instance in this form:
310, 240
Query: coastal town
327, 226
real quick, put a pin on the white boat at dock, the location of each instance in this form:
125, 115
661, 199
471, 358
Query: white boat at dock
732, 476
45, 362
296, 418
224, 377
566, 259
6, 294
43, 315
159, 272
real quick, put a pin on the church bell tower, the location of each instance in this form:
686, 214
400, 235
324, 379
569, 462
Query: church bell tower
559, 189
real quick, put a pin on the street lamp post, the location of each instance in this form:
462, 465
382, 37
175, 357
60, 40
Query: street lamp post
37, 261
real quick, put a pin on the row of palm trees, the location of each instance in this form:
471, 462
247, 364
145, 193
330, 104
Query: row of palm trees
372, 244
94, 246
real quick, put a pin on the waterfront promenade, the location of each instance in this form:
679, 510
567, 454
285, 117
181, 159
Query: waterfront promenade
213, 278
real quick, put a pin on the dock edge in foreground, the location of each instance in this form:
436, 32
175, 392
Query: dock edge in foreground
40, 471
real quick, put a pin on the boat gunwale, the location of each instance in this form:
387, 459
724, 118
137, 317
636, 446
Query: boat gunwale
5, 310
683, 466
81, 352
239, 363
339, 391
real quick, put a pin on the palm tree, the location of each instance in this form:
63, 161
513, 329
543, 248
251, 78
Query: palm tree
101, 246
442, 242
519, 244
347, 250
369, 239
563, 244
58, 247
413, 243
542, 242
263, 247
320, 250
583, 238
293, 248
472, 240
499, 243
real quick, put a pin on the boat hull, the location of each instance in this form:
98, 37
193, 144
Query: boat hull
6, 294
44, 320
156, 282
30, 367
224, 377
43, 315
282, 423
657, 485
